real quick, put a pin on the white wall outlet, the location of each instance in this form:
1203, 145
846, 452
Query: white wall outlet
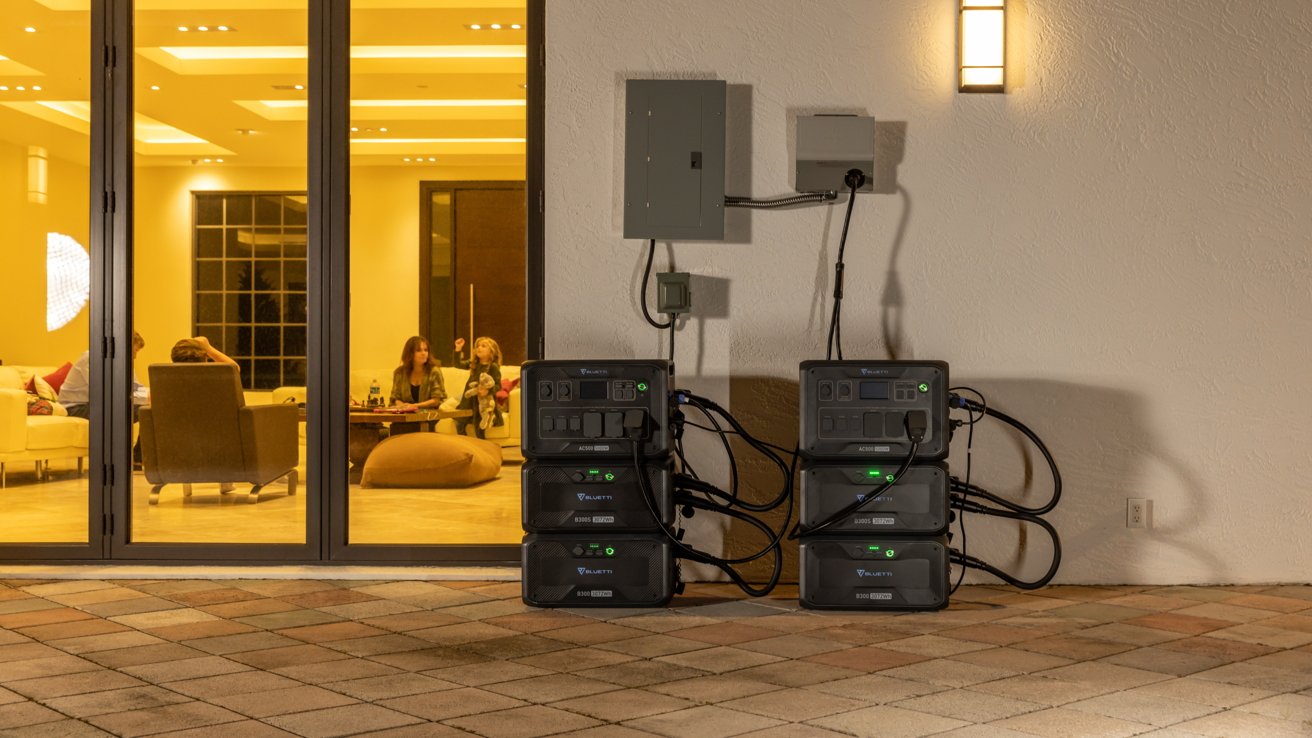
1138, 512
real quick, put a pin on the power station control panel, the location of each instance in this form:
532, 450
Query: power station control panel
577, 408
862, 409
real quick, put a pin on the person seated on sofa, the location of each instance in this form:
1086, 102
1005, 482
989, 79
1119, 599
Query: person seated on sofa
416, 384
75, 393
199, 350
486, 360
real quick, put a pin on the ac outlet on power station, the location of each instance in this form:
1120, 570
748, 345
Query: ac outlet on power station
1138, 512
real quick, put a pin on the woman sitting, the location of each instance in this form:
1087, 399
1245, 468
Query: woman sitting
416, 384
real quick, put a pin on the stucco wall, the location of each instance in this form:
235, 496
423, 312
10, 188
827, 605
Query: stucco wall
1117, 251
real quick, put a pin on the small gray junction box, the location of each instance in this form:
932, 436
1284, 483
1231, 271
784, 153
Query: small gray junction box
674, 159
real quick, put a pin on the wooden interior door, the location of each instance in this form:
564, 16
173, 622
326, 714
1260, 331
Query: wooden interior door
489, 255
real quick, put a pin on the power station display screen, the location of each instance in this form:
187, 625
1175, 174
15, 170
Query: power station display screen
874, 390
592, 389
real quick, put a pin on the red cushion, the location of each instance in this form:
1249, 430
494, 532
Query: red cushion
56, 378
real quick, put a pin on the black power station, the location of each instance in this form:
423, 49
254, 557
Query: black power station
873, 511
594, 522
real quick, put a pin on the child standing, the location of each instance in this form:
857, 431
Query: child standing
486, 360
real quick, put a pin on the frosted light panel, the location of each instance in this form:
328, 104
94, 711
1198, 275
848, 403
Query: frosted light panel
983, 32
68, 279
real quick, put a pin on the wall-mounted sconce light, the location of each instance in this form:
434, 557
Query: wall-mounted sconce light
982, 46
37, 174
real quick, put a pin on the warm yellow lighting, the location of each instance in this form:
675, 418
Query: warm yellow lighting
38, 162
212, 53
68, 279
982, 46
405, 103
436, 140
30, 29
36, 88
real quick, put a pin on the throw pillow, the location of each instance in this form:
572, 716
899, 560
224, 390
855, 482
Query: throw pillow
41, 388
38, 406
56, 378
425, 460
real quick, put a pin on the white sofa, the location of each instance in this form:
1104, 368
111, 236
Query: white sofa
35, 438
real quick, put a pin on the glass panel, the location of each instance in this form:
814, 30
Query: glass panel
46, 274
217, 168
442, 133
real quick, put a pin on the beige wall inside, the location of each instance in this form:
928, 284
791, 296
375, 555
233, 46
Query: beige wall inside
1117, 251
23, 335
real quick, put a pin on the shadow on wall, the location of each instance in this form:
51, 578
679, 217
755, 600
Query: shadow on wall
1105, 453
767, 408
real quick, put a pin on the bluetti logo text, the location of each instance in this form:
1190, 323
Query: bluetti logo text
864, 497
585, 497
594, 372
863, 573
586, 572
867, 372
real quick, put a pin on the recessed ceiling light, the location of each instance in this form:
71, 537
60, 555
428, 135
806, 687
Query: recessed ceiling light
184, 29
382, 130
245, 131
155, 88
207, 161
515, 26
354, 129
432, 158
21, 88
407, 158
4, 88
30, 29
203, 28
298, 87
496, 26
223, 28
475, 27
36, 88
219, 161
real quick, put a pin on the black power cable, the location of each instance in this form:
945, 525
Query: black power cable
957, 401
642, 296
962, 559
853, 179
970, 442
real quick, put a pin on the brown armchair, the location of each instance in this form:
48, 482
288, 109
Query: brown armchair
198, 429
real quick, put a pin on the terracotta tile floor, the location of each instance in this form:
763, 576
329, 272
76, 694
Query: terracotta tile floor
237, 658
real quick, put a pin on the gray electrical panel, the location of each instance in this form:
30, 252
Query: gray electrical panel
674, 159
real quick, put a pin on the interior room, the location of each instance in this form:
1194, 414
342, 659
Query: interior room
219, 236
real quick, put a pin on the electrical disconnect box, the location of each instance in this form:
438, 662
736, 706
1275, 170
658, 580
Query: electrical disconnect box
828, 146
674, 159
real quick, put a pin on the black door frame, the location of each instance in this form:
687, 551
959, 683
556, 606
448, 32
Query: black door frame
328, 185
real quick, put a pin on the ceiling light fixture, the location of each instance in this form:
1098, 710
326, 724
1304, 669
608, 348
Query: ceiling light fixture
515, 26
475, 27
382, 130
223, 28
202, 28
184, 29
155, 88
298, 87
4, 88
407, 158
496, 26
30, 29
21, 88
354, 129
36, 88
432, 158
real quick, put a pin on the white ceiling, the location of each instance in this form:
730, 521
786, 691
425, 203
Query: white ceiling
439, 88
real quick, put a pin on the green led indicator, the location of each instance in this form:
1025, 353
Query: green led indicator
642, 386
610, 477
889, 553
874, 472
923, 387
610, 551
874, 548
890, 478
594, 545
594, 472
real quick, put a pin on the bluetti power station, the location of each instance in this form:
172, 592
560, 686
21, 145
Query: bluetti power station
874, 508
597, 485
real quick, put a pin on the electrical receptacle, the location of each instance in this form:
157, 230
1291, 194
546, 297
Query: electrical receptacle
1138, 512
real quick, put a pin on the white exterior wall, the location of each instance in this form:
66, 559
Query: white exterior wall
1118, 251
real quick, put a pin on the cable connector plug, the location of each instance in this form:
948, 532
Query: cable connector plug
917, 422
635, 423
